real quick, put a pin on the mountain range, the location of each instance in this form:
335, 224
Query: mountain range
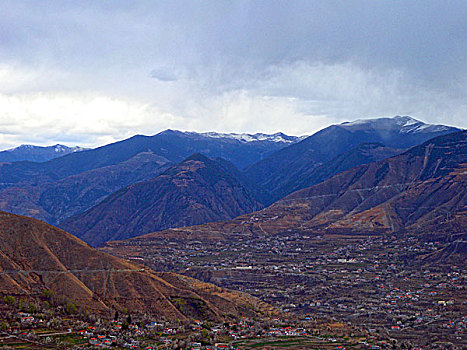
63, 187
171, 144
144, 183
421, 191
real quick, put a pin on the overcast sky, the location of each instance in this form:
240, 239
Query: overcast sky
91, 72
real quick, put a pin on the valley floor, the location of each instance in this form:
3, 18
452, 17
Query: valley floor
389, 286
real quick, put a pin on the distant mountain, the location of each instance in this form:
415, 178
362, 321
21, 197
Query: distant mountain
390, 128
37, 153
35, 257
62, 187
66, 186
286, 169
422, 191
170, 144
53, 201
196, 191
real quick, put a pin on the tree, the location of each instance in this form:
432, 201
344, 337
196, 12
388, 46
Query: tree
10, 300
23, 305
71, 308
32, 308
47, 293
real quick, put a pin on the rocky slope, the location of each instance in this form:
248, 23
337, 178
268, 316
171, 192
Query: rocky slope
35, 256
422, 189
196, 191
362, 154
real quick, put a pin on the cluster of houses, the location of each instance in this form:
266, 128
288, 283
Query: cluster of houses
366, 280
159, 333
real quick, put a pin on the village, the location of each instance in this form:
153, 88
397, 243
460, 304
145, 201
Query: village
374, 282
34, 330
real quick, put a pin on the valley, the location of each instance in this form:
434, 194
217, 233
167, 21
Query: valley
378, 282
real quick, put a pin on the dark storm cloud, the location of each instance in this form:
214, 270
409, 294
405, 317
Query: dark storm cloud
428, 37
208, 63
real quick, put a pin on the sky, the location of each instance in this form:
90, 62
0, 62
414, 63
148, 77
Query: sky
92, 72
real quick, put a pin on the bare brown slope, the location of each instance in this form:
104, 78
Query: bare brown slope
196, 191
35, 256
422, 190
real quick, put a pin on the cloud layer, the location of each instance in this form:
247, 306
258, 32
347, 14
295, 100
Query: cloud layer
90, 73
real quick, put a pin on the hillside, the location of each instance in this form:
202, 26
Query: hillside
35, 256
364, 153
422, 189
293, 168
196, 191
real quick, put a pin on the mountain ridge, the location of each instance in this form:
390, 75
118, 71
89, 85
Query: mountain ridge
64, 187
173, 145
37, 153
194, 191
54, 201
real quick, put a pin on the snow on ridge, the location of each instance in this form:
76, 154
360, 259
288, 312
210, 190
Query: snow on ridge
61, 148
78, 149
244, 137
424, 128
402, 124
406, 121
398, 120
20, 147
358, 122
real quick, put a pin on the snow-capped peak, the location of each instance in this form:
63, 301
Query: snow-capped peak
61, 148
402, 124
21, 147
406, 120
